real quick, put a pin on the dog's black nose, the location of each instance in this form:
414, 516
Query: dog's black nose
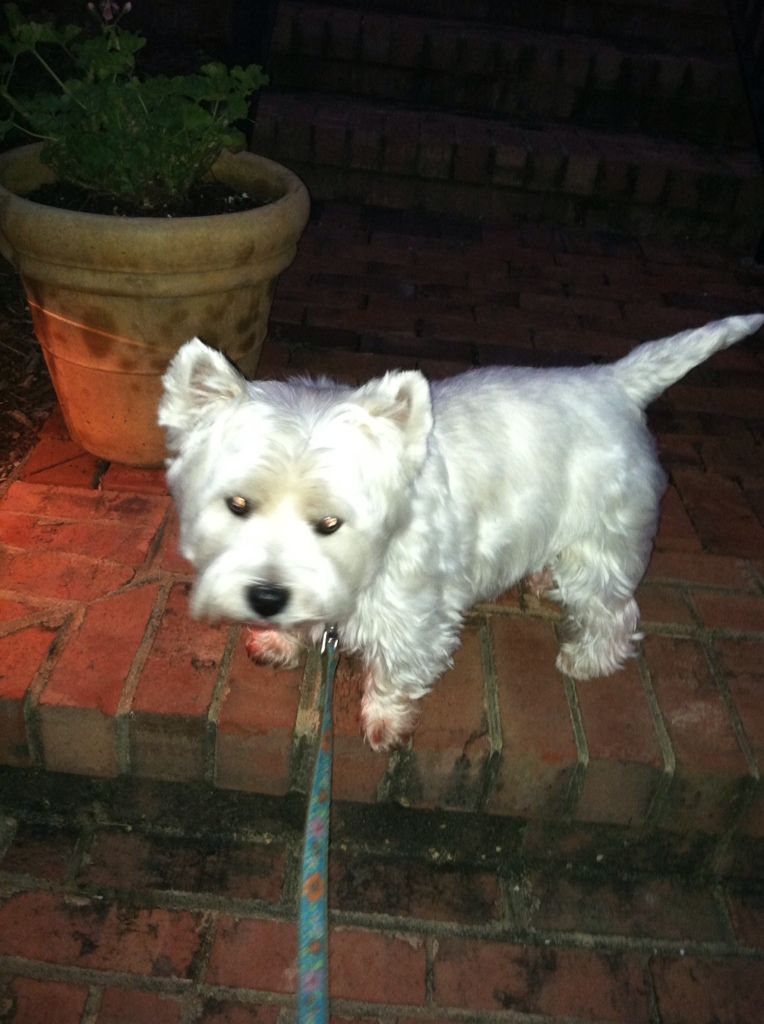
267, 598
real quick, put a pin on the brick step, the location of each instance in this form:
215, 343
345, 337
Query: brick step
106, 676
477, 167
503, 71
697, 23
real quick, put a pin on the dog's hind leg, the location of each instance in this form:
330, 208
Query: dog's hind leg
596, 582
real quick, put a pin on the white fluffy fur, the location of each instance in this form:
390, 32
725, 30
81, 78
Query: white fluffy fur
448, 493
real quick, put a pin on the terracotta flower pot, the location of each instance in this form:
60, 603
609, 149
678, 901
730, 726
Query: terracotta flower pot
112, 298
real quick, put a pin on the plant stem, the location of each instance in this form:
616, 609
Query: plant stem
62, 85
19, 110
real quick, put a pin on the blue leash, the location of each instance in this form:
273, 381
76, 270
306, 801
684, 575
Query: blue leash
313, 929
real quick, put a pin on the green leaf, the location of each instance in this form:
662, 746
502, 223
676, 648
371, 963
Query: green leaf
110, 128
100, 61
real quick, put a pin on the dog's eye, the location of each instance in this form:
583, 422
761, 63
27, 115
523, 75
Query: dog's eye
238, 505
329, 524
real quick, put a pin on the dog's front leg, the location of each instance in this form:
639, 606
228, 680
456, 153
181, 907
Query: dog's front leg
395, 681
405, 629
388, 715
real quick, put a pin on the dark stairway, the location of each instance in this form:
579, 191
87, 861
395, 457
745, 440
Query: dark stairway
611, 115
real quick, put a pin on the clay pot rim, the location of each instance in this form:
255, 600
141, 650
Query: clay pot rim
287, 179
196, 244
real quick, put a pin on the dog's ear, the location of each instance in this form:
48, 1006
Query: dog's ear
198, 380
402, 399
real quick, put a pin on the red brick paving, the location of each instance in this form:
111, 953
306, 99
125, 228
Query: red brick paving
503, 976
452, 744
120, 1006
539, 755
33, 1000
354, 775
711, 767
254, 729
625, 761
87, 933
708, 990
104, 675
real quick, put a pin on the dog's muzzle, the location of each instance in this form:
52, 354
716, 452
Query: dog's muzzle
267, 599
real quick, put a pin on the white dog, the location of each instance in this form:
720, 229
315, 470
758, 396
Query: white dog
389, 509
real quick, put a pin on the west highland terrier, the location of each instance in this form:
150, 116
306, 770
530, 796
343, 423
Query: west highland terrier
389, 509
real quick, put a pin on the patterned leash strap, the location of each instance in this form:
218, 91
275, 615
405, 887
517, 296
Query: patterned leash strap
313, 931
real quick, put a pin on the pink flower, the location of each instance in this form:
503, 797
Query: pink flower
111, 10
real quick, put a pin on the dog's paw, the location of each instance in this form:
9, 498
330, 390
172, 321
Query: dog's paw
382, 735
387, 727
575, 662
272, 647
590, 661
595, 645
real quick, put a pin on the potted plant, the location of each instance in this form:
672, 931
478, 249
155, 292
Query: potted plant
116, 285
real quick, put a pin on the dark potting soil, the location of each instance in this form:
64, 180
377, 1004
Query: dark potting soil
205, 200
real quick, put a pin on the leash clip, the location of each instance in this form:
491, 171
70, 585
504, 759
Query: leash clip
330, 639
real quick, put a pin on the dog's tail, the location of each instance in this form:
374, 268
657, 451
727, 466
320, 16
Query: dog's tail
647, 371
